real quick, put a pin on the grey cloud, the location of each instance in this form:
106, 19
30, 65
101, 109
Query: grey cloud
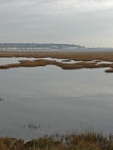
50, 5
67, 21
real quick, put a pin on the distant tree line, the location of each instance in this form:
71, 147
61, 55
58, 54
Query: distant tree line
36, 45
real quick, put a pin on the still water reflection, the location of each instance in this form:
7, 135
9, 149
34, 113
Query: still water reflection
45, 100
5, 61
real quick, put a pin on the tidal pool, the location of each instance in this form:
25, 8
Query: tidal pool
46, 100
5, 61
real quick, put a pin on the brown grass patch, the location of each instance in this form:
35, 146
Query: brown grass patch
9, 66
79, 56
41, 62
65, 66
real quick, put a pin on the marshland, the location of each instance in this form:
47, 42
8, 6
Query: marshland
84, 60
44, 93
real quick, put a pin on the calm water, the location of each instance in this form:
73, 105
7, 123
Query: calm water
4, 61
45, 100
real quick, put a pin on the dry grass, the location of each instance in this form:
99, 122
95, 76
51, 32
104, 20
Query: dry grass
84, 56
77, 56
82, 141
65, 66
34, 63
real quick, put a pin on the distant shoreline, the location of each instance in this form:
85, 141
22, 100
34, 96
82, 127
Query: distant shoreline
56, 50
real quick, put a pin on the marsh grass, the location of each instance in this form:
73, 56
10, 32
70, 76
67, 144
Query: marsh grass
65, 66
75, 141
83, 59
109, 70
84, 56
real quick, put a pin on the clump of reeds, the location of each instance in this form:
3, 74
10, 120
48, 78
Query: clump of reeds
109, 70
75, 141
7, 143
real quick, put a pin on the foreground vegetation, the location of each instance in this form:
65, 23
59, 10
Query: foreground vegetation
82, 141
84, 59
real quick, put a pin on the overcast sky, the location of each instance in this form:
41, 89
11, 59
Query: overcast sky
83, 22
